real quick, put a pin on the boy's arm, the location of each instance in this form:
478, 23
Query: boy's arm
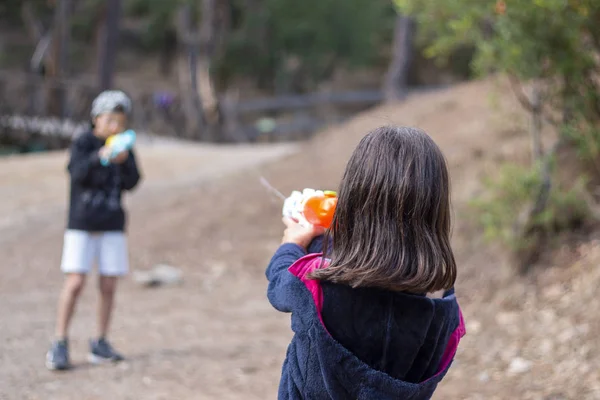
83, 162
282, 283
129, 172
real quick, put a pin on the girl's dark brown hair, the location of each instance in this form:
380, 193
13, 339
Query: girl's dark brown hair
391, 227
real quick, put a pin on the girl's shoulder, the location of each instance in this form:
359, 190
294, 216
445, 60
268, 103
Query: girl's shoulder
301, 269
305, 265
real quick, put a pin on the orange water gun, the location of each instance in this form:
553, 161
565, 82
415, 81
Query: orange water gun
315, 207
309, 207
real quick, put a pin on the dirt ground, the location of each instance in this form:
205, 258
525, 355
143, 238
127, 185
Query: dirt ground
203, 210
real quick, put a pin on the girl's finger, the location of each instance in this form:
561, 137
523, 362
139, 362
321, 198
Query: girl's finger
289, 222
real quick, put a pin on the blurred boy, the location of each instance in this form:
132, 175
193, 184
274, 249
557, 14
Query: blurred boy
96, 225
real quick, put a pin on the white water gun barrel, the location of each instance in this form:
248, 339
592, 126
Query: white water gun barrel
293, 206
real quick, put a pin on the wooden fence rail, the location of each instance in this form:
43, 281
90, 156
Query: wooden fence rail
26, 107
25, 111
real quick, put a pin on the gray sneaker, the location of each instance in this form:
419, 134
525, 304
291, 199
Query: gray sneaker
57, 357
101, 352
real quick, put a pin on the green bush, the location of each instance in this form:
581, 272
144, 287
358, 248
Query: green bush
586, 138
507, 200
554, 42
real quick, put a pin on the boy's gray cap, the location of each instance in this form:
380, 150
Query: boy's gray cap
108, 100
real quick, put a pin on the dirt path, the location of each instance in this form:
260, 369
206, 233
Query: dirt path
216, 337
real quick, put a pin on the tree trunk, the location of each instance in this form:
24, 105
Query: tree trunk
32, 23
168, 52
537, 151
397, 75
108, 36
186, 66
39, 37
206, 91
185, 85
568, 93
56, 72
40, 56
206, 122
223, 23
63, 37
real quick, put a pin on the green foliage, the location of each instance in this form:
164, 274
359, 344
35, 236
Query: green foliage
159, 15
539, 38
85, 20
303, 41
556, 42
586, 138
348, 29
284, 43
499, 208
546, 39
10, 10
510, 196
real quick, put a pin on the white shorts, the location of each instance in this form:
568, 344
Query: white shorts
81, 249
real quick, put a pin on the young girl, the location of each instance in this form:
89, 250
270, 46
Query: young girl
365, 325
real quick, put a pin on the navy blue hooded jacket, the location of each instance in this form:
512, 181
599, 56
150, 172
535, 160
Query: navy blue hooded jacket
360, 343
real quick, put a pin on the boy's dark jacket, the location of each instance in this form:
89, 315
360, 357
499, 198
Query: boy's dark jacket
95, 200
362, 343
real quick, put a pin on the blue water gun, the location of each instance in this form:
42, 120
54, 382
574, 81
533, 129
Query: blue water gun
119, 143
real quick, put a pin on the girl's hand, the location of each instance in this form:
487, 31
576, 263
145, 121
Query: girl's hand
298, 234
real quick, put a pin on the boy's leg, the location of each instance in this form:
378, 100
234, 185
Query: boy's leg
79, 252
72, 287
113, 263
57, 357
108, 286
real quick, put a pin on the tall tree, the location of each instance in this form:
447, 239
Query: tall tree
186, 65
108, 37
396, 79
53, 47
199, 46
207, 47
61, 49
